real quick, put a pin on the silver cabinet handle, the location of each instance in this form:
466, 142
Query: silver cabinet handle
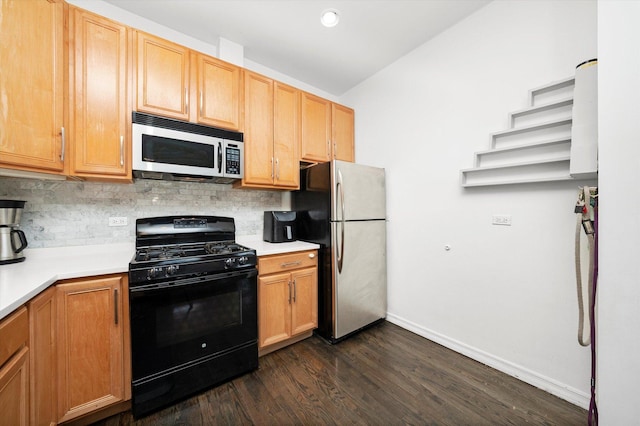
335, 149
186, 100
328, 148
201, 102
294, 291
121, 150
277, 168
289, 264
312, 255
272, 168
64, 142
289, 292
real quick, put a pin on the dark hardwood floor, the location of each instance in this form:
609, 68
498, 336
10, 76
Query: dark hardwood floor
382, 376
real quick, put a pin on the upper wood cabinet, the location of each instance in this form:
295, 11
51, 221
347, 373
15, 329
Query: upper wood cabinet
162, 77
271, 133
286, 135
92, 368
316, 128
99, 113
327, 130
342, 132
32, 82
175, 82
216, 92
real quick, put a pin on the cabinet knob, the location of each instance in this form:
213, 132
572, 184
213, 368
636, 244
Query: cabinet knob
312, 255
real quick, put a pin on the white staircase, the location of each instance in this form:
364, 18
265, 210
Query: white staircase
537, 145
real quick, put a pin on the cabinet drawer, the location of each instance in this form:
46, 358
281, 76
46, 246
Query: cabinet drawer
14, 333
287, 262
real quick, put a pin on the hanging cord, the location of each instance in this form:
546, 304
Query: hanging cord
593, 408
583, 220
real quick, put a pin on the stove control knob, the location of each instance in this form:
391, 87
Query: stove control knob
153, 272
229, 263
243, 260
172, 269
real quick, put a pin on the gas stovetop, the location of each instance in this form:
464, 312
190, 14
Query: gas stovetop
172, 247
211, 249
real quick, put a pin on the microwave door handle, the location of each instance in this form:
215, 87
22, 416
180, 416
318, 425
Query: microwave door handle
219, 157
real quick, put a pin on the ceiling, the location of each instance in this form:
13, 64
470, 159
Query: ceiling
286, 35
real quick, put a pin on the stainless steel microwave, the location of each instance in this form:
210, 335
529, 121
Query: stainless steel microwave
176, 150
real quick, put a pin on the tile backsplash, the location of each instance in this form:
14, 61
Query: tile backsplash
69, 213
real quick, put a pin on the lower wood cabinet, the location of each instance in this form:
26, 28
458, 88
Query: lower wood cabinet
14, 369
42, 341
287, 298
91, 344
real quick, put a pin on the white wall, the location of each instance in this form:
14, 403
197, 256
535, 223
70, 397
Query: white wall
619, 251
503, 295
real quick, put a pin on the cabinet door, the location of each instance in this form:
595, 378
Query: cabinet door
14, 389
90, 345
274, 309
162, 77
304, 307
343, 137
316, 128
219, 93
100, 137
31, 111
286, 138
258, 131
42, 363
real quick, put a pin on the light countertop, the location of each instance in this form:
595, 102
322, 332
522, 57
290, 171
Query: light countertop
20, 282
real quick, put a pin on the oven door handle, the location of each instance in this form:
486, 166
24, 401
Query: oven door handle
168, 285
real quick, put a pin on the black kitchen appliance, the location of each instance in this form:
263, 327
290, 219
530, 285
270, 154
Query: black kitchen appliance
279, 227
193, 305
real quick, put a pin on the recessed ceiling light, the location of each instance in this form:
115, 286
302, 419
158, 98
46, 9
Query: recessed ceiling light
330, 18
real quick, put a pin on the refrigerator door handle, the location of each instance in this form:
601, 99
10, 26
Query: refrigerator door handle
341, 192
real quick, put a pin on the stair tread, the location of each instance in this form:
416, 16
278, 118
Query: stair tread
531, 127
520, 164
524, 146
517, 181
543, 107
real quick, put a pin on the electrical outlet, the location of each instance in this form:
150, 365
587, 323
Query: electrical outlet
118, 221
501, 219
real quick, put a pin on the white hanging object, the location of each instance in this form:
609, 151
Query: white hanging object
584, 130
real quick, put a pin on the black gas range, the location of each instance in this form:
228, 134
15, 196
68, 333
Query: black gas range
193, 302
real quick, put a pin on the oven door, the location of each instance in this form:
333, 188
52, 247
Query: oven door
178, 322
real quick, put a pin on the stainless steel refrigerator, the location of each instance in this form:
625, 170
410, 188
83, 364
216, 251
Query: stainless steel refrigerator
342, 207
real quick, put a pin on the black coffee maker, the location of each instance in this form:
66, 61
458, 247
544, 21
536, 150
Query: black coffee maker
279, 226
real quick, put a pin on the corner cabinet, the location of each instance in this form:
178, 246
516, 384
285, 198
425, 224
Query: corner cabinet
92, 345
32, 54
14, 368
287, 299
327, 130
271, 133
100, 134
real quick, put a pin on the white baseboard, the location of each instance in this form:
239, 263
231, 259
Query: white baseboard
561, 390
